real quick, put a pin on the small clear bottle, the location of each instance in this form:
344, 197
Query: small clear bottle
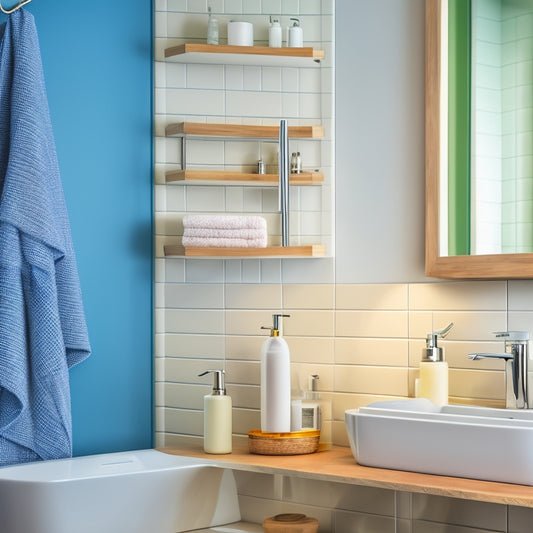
212, 28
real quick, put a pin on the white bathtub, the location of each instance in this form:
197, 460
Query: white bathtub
144, 491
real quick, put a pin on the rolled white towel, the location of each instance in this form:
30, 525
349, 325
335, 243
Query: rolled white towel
224, 221
243, 233
220, 242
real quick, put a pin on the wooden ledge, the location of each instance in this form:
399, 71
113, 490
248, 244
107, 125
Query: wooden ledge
338, 465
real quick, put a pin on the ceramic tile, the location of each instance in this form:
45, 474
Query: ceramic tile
251, 271
245, 420
371, 297
371, 380
458, 296
258, 485
201, 199
184, 421
198, 155
339, 496
308, 296
420, 526
459, 512
305, 271
244, 347
377, 352
253, 296
175, 199
185, 396
478, 384
270, 271
187, 296
311, 349
247, 322
204, 271
194, 321
309, 323
195, 345
349, 521
179, 370
378, 324
520, 519
243, 372
205, 76
245, 396
195, 101
159, 295
301, 372
245, 103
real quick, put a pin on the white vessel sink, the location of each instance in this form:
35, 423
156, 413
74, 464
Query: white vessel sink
453, 440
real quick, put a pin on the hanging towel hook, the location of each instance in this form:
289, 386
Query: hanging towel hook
18, 6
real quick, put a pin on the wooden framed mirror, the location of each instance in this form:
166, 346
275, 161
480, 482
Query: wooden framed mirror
439, 265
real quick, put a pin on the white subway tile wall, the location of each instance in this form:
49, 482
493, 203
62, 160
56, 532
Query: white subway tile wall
364, 341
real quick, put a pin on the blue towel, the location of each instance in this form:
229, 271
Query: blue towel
42, 324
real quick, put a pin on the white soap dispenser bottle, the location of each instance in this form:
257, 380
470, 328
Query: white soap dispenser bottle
275, 382
296, 34
274, 33
433, 381
217, 416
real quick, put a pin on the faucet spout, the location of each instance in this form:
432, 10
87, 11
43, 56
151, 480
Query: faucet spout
516, 356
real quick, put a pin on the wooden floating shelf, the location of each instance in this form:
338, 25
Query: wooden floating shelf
241, 130
224, 177
339, 466
312, 250
244, 55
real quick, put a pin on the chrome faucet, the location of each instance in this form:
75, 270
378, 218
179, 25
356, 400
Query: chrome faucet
516, 356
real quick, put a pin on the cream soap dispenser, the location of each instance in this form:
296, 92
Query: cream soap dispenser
433, 381
217, 416
275, 381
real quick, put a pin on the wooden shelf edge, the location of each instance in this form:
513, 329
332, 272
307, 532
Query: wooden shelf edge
339, 466
241, 130
312, 250
223, 176
202, 48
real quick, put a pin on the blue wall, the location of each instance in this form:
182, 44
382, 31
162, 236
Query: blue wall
97, 61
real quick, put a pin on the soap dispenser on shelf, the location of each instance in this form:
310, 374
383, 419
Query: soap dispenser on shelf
217, 416
275, 381
433, 380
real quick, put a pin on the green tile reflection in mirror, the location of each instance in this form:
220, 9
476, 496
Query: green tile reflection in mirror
459, 113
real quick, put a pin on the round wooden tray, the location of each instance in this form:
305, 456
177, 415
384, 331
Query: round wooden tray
293, 443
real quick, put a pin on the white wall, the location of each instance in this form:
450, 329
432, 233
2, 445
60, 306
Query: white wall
379, 141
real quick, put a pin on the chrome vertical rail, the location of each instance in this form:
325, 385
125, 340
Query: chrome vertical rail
283, 189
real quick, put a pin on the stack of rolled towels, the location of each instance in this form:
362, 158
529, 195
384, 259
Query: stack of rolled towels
224, 231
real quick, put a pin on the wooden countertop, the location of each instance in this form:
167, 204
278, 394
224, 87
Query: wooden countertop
338, 465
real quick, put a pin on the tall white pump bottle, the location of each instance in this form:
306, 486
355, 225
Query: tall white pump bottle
275, 382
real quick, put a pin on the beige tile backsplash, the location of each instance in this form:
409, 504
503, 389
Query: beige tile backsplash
362, 352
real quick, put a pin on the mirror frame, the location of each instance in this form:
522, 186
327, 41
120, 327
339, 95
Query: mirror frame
500, 266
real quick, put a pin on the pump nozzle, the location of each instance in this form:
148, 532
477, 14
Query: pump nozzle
433, 352
218, 382
275, 329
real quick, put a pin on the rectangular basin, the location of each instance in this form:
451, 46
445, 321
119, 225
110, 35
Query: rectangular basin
127, 492
453, 440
